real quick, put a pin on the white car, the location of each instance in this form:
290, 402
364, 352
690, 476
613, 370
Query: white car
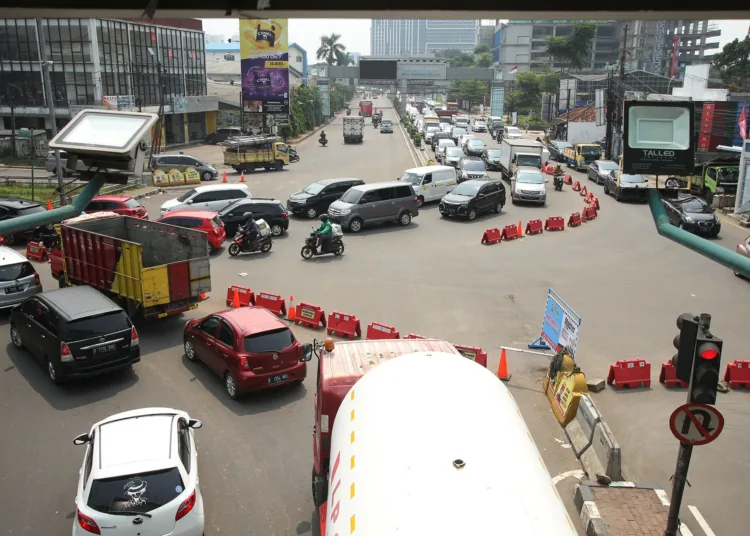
479, 126
140, 476
528, 185
213, 197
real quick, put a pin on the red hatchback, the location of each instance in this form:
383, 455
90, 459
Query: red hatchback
119, 204
201, 220
249, 347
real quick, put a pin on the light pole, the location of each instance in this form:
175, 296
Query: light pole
12, 99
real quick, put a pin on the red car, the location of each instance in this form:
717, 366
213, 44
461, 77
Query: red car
208, 222
249, 347
119, 204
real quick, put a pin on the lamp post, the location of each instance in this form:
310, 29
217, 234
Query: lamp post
12, 99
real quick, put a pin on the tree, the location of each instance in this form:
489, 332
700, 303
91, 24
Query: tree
481, 49
733, 63
345, 60
474, 91
573, 49
484, 60
456, 58
331, 50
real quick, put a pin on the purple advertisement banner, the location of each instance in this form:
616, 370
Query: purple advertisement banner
261, 81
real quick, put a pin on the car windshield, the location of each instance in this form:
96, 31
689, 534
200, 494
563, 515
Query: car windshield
429, 130
466, 189
473, 165
479, 123
387, 123
458, 132
562, 145
529, 160
135, 493
446, 143
85, 328
314, 189
11, 272
493, 153
411, 178
728, 175
187, 195
132, 203
269, 341
695, 206
530, 178
514, 131
453, 151
591, 151
351, 196
607, 165
475, 143
631, 179
35, 209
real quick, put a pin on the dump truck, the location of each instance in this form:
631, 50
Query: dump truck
514, 153
431, 443
151, 269
715, 173
354, 128
581, 155
248, 153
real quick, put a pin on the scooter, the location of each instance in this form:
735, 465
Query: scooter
558, 181
239, 245
309, 250
293, 156
323, 141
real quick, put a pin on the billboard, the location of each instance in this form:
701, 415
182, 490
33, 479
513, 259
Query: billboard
421, 71
264, 59
378, 69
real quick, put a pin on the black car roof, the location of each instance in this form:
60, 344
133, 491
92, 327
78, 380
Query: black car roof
328, 182
74, 303
18, 202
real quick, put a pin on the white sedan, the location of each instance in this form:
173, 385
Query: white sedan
140, 476
479, 126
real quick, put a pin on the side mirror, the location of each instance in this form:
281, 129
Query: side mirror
195, 424
81, 439
307, 352
189, 201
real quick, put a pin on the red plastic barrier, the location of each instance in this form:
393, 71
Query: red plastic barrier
575, 220
491, 236
473, 353
544, 167
589, 197
550, 170
595, 202
2, 241
554, 223
534, 227
35, 251
247, 296
568, 179
584, 192
630, 373
310, 316
414, 336
576, 186
343, 325
510, 232
272, 302
738, 374
376, 331
668, 376
589, 213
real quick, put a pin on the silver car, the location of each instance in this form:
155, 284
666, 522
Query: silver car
386, 127
52, 164
18, 278
377, 202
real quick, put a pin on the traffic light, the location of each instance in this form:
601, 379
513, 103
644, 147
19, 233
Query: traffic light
685, 344
705, 377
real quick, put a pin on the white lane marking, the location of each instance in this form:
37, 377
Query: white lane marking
684, 530
701, 521
562, 476
662, 496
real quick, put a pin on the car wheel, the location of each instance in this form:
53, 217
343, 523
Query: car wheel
311, 212
497, 208
10, 240
52, 373
420, 201
211, 249
405, 218
15, 336
61, 282
266, 247
276, 229
472, 215
617, 194
207, 176
606, 189
355, 225
230, 385
190, 351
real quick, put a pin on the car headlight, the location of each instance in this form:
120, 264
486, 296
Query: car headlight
463, 174
346, 211
688, 219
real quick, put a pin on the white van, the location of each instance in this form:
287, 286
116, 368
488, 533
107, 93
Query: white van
430, 183
212, 198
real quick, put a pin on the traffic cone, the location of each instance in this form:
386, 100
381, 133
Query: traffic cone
225, 177
49, 204
502, 367
292, 310
519, 231
242, 177
236, 300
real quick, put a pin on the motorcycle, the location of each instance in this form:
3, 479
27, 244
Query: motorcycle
323, 141
558, 181
348, 112
46, 235
240, 245
293, 156
309, 249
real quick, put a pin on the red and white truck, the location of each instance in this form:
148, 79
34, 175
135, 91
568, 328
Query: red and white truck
429, 443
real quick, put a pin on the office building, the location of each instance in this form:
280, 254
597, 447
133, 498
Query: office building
398, 37
213, 39
102, 63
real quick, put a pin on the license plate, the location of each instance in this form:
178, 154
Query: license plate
13, 290
278, 379
104, 349
451, 209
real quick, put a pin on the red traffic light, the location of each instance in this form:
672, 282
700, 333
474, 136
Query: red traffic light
709, 353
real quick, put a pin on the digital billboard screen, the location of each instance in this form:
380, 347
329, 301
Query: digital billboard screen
378, 69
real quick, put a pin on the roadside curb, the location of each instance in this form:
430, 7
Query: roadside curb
313, 131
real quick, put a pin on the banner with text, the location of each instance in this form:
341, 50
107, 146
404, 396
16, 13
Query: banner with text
561, 324
264, 58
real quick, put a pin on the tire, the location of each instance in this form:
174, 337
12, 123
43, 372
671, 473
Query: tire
356, 225
339, 249
52, 372
230, 386
606, 190
278, 165
277, 230
311, 212
420, 201
472, 214
266, 247
10, 240
497, 208
306, 252
190, 351
15, 336
207, 176
211, 249
405, 218
234, 250
617, 194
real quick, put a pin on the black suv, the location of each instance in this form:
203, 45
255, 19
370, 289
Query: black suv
75, 332
270, 210
471, 198
13, 207
318, 196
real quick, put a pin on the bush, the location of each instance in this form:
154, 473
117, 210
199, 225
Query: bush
418, 140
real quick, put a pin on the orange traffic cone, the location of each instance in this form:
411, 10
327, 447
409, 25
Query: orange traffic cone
242, 177
225, 177
236, 300
49, 204
520, 228
502, 367
292, 310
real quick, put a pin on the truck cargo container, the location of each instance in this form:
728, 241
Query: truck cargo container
514, 153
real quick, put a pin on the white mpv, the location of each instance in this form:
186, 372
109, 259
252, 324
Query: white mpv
430, 183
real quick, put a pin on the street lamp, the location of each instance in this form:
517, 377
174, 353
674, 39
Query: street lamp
12, 99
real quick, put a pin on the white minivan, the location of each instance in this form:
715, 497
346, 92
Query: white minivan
213, 197
430, 183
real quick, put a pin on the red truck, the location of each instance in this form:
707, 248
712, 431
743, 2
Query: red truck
365, 108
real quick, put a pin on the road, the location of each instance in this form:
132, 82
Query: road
431, 278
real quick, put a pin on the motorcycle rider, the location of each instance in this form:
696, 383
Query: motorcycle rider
322, 136
249, 229
558, 176
325, 234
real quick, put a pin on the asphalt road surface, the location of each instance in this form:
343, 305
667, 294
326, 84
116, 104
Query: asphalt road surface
431, 278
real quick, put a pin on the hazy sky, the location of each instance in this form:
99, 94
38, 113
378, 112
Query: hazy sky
355, 33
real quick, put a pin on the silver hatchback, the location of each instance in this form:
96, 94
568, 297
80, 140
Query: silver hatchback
18, 278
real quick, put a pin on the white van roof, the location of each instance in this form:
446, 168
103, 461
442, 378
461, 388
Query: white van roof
428, 169
222, 186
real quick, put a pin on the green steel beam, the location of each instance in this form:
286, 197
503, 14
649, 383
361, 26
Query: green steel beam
56, 215
715, 252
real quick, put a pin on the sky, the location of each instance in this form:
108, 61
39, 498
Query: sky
355, 33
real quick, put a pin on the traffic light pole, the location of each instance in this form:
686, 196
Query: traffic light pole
678, 488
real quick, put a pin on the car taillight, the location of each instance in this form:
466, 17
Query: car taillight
65, 353
88, 524
185, 507
416, 200
285, 215
244, 363
217, 231
134, 340
37, 282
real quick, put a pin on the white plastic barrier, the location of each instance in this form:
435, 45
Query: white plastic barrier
580, 431
603, 456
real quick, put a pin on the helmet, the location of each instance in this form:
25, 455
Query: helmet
248, 215
324, 217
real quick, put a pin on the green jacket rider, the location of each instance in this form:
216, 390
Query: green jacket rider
325, 226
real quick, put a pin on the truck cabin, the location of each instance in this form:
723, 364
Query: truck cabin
589, 152
527, 159
721, 178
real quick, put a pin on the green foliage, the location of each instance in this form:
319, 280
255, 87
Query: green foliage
529, 87
331, 50
484, 60
474, 91
340, 96
456, 58
305, 109
481, 49
573, 49
733, 63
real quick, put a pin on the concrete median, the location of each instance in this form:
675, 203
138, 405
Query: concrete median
603, 456
580, 431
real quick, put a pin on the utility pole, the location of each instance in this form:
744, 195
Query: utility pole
567, 114
610, 110
10, 88
620, 98
50, 106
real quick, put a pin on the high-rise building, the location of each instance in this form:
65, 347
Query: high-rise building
396, 37
214, 39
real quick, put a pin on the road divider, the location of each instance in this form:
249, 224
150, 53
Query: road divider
238, 296
604, 456
668, 376
491, 236
414, 336
630, 373
584, 192
273, 302
534, 227
554, 223
378, 331
35, 251
310, 316
568, 179
589, 213
737, 374
589, 197
510, 232
343, 325
575, 219
472, 352
576, 186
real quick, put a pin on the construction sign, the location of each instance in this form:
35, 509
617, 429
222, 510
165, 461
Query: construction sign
175, 177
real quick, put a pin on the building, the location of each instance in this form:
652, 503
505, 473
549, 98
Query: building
223, 63
396, 37
102, 63
214, 39
486, 32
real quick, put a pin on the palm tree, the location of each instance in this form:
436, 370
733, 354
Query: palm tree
331, 50
345, 60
